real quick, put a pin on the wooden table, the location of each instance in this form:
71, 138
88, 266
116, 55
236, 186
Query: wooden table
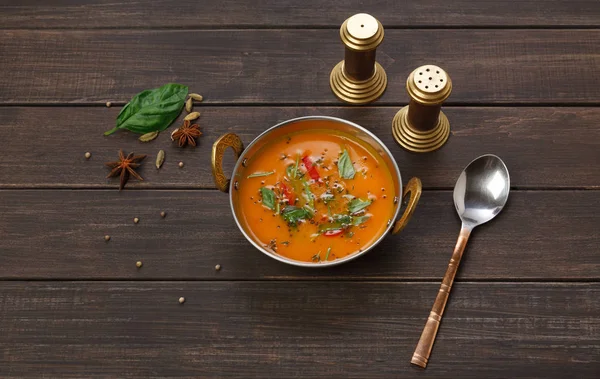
526, 87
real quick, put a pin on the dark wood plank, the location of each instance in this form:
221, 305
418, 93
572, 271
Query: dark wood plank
293, 66
276, 13
543, 147
544, 235
289, 330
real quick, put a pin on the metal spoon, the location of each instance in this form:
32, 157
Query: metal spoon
479, 195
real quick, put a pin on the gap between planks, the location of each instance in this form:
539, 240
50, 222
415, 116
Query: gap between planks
338, 279
244, 27
383, 104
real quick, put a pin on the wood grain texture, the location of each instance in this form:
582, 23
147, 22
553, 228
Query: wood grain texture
309, 13
60, 234
293, 66
292, 330
543, 147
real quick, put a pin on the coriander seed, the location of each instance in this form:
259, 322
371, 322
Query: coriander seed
107, 238
108, 104
163, 214
180, 164
138, 264
88, 155
181, 300
136, 220
218, 267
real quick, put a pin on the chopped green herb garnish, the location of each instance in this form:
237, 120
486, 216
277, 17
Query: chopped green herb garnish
317, 257
327, 255
345, 167
357, 220
285, 243
292, 214
309, 195
342, 219
257, 174
292, 170
357, 205
268, 198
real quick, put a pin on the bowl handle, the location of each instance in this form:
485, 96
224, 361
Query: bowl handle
226, 140
413, 191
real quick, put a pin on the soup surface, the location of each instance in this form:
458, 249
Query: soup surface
315, 196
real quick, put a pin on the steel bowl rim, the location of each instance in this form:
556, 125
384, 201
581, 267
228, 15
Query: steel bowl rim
294, 262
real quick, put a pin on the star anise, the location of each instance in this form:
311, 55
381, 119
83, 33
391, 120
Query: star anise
187, 134
125, 166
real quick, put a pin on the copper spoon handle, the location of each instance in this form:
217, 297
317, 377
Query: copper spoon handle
421, 355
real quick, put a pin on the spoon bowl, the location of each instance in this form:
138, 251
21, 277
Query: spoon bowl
481, 190
480, 194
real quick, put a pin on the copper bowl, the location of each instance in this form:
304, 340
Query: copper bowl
409, 196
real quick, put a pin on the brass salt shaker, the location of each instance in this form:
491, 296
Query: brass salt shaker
421, 126
359, 79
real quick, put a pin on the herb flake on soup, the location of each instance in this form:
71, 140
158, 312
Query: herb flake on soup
315, 196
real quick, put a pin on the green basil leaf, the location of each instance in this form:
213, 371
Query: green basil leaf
292, 214
152, 110
257, 174
357, 220
345, 167
357, 205
268, 198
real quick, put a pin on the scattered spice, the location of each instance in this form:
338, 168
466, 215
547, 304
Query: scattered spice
196, 97
273, 244
180, 164
138, 264
136, 220
188, 105
148, 136
160, 158
163, 214
124, 167
181, 300
107, 238
192, 116
218, 267
88, 155
187, 134
108, 104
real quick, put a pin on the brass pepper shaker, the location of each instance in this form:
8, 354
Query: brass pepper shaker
421, 126
359, 79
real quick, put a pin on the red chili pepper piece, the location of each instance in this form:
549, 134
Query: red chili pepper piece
287, 193
333, 233
310, 168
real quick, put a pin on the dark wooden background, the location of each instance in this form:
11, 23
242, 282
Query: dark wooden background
526, 87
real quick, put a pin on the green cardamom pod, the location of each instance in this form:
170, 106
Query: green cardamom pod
148, 136
160, 158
